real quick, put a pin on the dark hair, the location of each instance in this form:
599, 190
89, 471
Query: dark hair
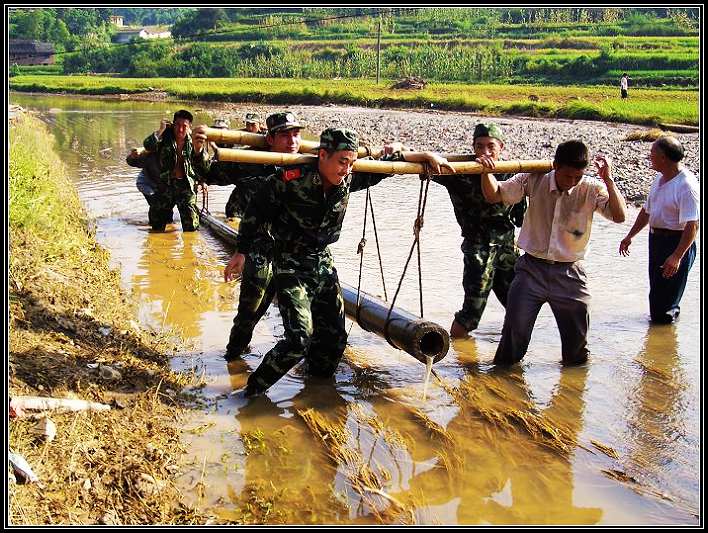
183, 113
571, 154
670, 147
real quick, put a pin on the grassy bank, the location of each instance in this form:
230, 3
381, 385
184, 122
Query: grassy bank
645, 106
67, 315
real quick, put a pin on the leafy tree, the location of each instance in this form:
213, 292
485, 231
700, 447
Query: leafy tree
198, 21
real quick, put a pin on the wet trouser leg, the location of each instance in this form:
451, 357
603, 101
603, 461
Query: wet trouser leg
477, 280
295, 290
569, 300
329, 337
186, 202
160, 212
505, 261
665, 293
527, 294
255, 296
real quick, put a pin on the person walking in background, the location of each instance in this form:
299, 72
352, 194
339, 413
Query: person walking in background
671, 211
624, 85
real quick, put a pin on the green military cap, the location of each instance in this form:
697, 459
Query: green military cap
488, 130
281, 121
252, 118
335, 139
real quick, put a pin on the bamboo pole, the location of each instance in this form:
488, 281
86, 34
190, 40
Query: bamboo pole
257, 140
34, 403
381, 167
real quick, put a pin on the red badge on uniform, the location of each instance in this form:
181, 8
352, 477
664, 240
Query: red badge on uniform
291, 174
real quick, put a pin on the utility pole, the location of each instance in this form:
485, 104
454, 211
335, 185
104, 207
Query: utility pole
378, 54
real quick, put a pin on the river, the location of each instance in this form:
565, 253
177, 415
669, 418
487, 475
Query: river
614, 442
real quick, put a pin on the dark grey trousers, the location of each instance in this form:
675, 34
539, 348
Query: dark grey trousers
564, 287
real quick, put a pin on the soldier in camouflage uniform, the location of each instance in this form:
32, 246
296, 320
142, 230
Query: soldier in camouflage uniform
257, 291
253, 123
176, 155
235, 204
490, 252
305, 205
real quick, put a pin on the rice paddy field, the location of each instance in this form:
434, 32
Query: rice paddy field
645, 106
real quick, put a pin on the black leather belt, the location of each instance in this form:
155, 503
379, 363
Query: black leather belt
664, 231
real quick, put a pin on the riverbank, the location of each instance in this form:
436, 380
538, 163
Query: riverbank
645, 106
72, 335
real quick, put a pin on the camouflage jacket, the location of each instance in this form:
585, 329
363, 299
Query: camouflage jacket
166, 149
479, 220
247, 177
303, 218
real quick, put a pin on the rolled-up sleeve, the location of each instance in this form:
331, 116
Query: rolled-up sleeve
602, 201
514, 189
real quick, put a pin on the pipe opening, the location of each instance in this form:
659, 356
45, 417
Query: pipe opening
431, 343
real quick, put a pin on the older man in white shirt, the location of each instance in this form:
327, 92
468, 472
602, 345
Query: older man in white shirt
554, 237
671, 210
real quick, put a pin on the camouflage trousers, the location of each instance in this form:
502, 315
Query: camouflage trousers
487, 267
312, 307
161, 205
257, 291
232, 208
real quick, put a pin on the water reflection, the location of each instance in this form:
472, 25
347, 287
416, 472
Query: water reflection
658, 442
175, 281
501, 467
286, 470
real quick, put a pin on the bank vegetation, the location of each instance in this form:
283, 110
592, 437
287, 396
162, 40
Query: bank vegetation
72, 335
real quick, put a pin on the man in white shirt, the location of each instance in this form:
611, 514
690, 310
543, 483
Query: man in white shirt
554, 237
671, 211
624, 85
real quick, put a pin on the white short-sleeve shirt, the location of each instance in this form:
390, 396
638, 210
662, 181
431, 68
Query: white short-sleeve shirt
673, 203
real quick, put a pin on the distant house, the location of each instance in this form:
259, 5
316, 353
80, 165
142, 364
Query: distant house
28, 52
116, 20
147, 32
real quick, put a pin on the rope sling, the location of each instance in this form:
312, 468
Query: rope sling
205, 197
417, 226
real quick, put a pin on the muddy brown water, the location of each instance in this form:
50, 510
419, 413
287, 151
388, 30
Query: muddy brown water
631, 417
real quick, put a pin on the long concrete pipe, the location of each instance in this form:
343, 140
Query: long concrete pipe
420, 338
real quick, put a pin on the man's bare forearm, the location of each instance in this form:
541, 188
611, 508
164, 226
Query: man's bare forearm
490, 189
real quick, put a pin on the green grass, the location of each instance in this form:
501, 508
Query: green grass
645, 106
43, 202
